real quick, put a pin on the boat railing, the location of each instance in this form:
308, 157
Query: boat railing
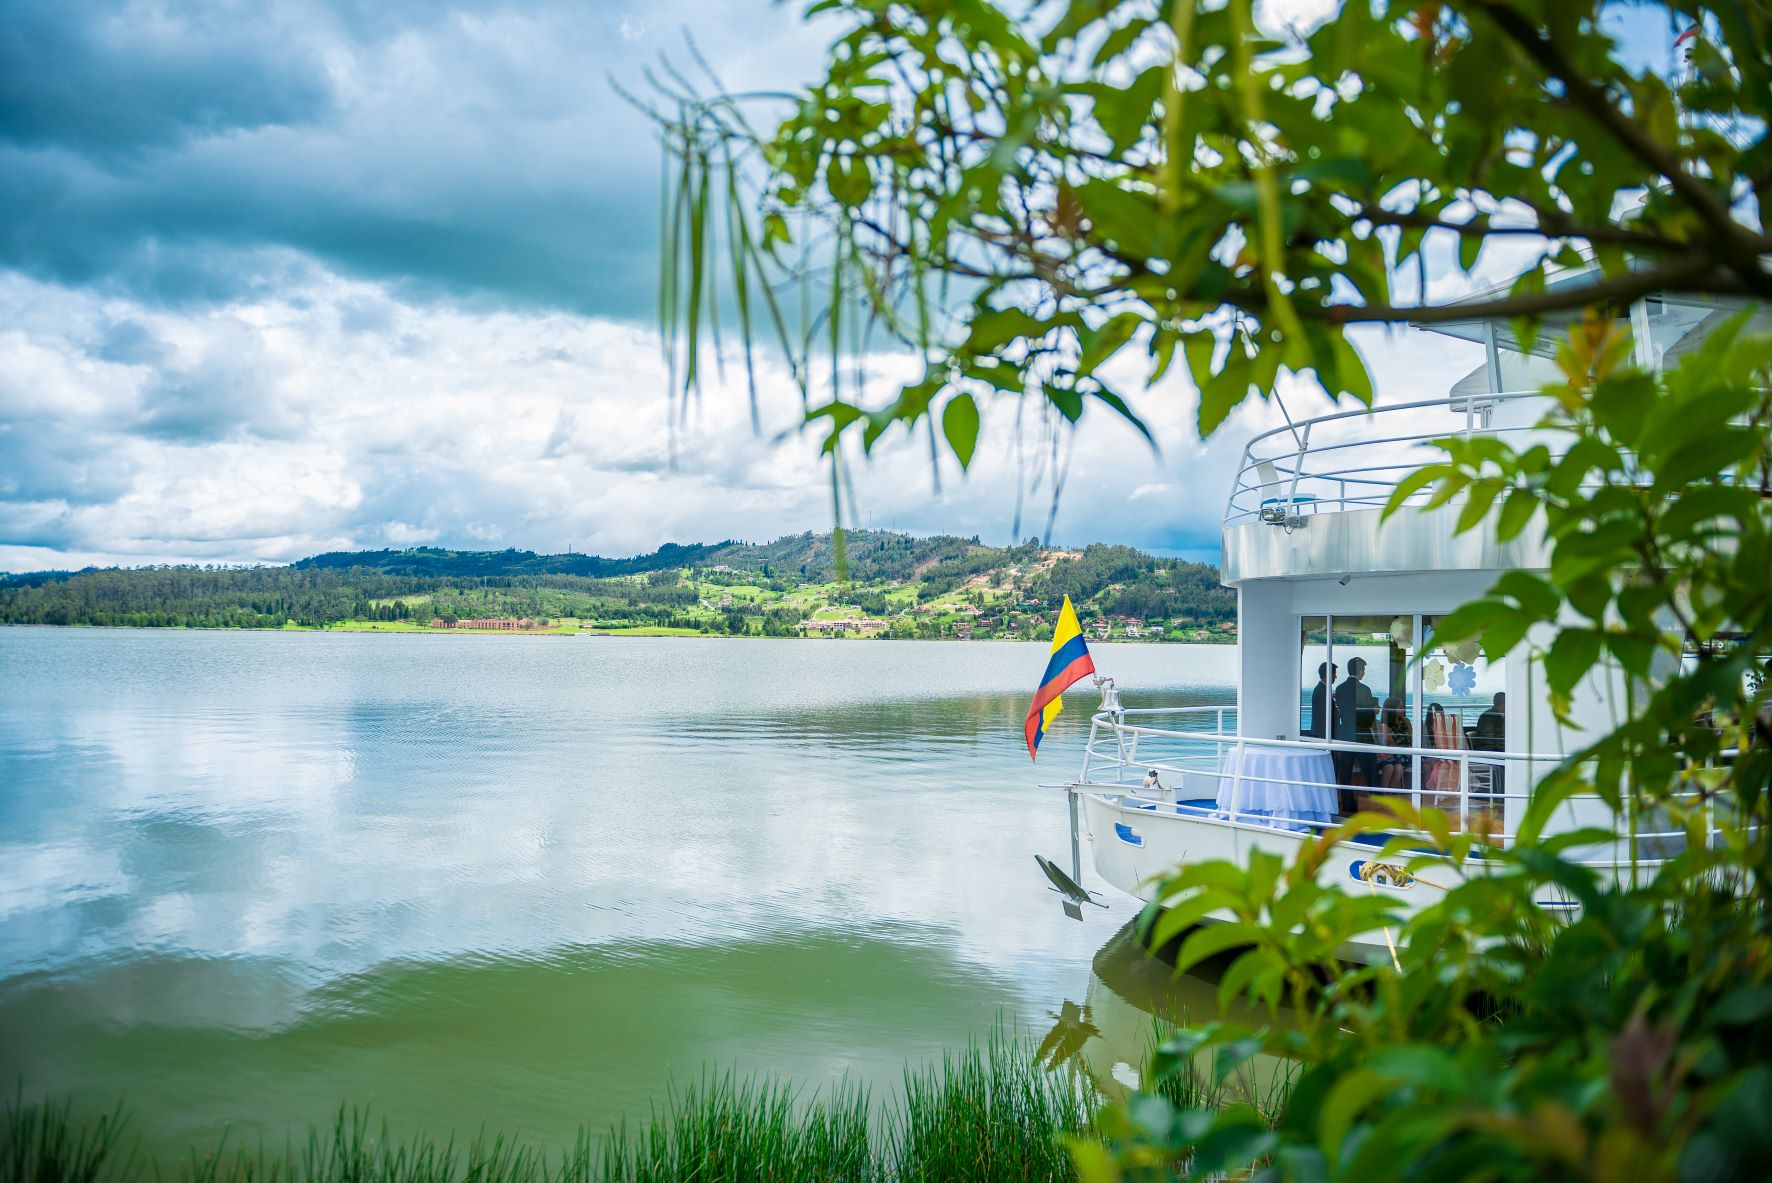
1203, 772
1351, 460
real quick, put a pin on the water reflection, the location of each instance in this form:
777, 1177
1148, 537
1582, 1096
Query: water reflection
520, 881
1133, 1001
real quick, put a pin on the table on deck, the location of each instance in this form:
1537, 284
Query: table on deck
1282, 787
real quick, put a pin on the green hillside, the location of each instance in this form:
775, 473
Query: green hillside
897, 586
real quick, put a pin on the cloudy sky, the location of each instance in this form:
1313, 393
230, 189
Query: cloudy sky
329, 274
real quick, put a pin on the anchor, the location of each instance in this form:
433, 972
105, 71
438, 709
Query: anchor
1072, 891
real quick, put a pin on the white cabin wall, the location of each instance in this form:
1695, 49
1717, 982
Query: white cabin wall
1597, 706
1267, 677
1432, 593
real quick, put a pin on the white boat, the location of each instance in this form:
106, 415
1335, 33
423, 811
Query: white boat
1322, 584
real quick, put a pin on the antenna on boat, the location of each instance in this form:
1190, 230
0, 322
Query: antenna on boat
1287, 415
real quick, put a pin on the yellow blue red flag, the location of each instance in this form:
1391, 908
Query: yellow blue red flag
1070, 662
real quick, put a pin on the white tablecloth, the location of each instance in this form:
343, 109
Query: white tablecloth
1297, 784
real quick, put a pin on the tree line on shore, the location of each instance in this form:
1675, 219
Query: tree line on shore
674, 587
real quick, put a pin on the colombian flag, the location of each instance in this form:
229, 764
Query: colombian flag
1070, 662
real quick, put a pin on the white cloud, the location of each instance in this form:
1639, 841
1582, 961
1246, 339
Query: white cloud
336, 416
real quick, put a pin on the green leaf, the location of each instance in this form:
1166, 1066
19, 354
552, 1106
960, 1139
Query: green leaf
1199, 349
1429, 1067
1125, 219
1068, 400
993, 328
1224, 391
1570, 657
1482, 495
849, 180
1621, 404
959, 423
1469, 247
1412, 484
1102, 343
1516, 511
1531, 592
1347, 1099
1212, 939
1163, 343
775, 231
1125, 411
1125, 111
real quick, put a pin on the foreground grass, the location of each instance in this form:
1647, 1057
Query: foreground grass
988, 1113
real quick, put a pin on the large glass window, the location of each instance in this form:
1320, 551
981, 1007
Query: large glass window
1464, 707
1373, 681
1372, 700
1314, 677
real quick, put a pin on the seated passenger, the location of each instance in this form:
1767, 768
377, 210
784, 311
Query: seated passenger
1491, 730
1394, 731
1491, 736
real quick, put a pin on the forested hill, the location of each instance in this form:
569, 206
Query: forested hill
897, 585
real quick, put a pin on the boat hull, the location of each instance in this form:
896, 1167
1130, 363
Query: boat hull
1134, 844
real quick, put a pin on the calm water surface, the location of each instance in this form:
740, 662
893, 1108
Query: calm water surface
524, 882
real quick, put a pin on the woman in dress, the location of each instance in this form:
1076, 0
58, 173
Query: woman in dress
1394, 732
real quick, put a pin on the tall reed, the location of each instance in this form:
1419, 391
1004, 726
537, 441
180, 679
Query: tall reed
727, 1130
988, 1113
42, 1143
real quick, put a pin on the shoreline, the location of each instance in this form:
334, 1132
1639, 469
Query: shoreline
645, 632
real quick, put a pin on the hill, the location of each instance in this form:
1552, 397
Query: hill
897, 586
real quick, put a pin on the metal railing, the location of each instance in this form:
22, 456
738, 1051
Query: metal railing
1355, 459
1205, 773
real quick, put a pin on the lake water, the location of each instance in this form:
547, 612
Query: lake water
523, 882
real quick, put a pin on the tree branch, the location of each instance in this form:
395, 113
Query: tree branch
1740, 254
1693, 273
1547, 228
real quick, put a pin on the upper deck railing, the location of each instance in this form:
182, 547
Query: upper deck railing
1352, 460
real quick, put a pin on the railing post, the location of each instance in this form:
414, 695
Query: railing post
1464, 792
1237, 780
1304, 446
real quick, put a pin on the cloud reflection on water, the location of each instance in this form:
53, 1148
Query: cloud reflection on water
318, 840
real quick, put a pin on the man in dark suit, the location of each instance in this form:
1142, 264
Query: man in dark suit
1356, 721
1322, 704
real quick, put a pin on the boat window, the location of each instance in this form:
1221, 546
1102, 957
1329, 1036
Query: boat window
1373, 703
1314, 643
1464, 684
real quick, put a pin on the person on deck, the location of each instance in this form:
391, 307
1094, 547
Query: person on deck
1491, 730
1491, 736
1356, 721
1321, 725
1395, 731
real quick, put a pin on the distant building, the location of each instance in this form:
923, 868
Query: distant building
492, 624
828, 626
